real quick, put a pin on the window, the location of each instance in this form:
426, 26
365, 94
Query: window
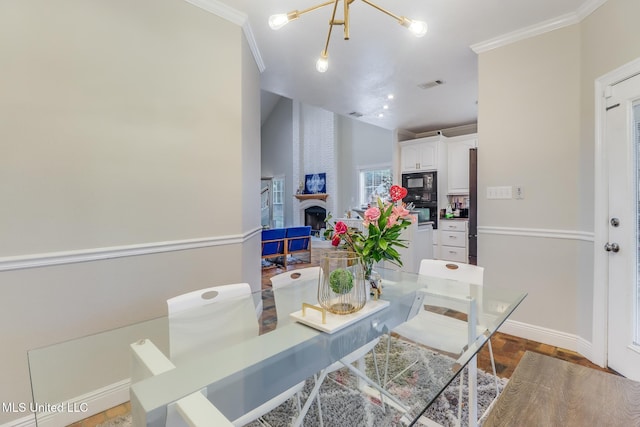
374, 183
278, 204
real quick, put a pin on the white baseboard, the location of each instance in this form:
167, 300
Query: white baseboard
28, 421
115, 394
585, 348
548, 336
78, 408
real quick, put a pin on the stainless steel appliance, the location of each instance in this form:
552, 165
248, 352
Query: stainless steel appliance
473, 206
422, 191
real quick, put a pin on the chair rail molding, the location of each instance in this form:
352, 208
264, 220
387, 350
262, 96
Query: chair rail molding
96, 254
586, 236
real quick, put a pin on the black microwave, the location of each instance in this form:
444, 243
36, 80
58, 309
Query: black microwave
422, 191
421, 187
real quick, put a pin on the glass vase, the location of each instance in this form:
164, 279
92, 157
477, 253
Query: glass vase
373, 282
341, 286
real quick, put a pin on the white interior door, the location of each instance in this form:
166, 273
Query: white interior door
623, 142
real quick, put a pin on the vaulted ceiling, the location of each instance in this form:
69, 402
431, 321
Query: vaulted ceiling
382, 57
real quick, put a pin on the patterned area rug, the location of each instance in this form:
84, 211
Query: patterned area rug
345, 406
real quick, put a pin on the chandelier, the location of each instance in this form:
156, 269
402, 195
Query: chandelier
417, 28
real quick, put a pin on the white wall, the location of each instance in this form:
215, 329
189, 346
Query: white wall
122, 132
360, 145
277, 151
536, 129
314, 151
356, 145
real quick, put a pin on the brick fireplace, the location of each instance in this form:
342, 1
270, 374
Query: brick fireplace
312, 212
314, 143
315, 216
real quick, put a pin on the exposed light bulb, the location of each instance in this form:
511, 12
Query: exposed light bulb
322, 64
278, 21
417, 28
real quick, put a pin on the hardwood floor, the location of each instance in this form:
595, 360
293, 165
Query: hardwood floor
507, 349
571, 395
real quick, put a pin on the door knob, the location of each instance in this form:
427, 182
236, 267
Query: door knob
611, 247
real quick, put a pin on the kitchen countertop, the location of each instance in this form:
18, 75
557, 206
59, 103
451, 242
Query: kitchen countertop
431, 223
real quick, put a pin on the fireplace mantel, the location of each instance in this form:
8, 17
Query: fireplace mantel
317, 196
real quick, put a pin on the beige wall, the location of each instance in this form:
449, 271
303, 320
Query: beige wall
122, 124
249, 170
609, 40
536, 129
107, 127
528, 135
529, 127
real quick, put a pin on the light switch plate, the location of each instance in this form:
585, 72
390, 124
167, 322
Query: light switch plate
503, 192
518, 192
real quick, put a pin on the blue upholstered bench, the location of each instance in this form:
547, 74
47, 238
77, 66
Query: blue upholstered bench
282, 242
298, 241
273, 242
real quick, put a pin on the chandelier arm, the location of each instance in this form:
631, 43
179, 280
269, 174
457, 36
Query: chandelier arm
346, 19
385, 11
312, 8
333, 17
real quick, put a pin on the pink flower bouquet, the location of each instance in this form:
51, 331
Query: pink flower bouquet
383, 226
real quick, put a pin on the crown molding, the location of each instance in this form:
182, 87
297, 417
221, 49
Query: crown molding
588, 8
253, 45
585, 10
234, 16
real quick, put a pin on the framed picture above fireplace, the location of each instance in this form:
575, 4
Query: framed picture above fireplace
315, 183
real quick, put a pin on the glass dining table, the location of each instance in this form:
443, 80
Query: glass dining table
77, 378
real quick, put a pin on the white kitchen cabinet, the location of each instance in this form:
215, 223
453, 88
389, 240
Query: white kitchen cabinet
436, 246
454, 240
419, 239
419, 155
458, 163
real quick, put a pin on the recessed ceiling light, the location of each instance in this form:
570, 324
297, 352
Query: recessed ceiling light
380, 115
390, 96
386, 107
429, 85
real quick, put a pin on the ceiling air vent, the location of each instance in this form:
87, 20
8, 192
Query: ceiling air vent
355, 114
429, 85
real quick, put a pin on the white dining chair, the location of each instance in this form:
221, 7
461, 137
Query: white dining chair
439, 331
200, 322
194, 410
309, 294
